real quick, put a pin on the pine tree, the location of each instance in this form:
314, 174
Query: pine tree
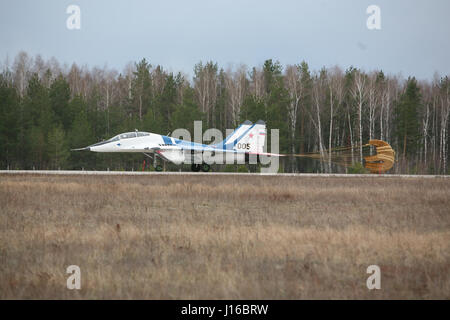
80, 135
36, 148
57, 148
9, 123
37, 121
59, 95
165, 104
407, 120
187, 112
276, 103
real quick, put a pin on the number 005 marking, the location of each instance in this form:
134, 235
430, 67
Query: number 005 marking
243, 146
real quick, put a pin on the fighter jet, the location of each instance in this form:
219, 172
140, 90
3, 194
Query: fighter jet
245, 143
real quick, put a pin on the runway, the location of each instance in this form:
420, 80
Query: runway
154, 173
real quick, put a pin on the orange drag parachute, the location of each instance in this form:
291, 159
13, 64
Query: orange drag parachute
384, 158
378, 156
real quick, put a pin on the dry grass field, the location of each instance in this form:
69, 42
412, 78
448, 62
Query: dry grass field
223, 237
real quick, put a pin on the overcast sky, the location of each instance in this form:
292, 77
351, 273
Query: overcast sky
413, 40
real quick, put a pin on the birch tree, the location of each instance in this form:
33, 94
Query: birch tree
295, 90
205, 84
444, 100
236, 83
21, 71
336, 94
359, 93
318, 94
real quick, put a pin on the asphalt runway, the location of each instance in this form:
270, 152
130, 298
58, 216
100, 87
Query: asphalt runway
300, 175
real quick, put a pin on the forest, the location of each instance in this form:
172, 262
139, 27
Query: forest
48, 108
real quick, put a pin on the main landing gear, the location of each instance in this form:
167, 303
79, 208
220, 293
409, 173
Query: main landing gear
155, 165
197, 167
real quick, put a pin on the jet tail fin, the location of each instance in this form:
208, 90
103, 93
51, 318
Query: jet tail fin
247, 137
228, 142
253, 139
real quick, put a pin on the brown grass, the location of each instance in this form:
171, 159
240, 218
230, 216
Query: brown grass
223, 237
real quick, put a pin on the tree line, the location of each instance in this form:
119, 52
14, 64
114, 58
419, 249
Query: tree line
47, 108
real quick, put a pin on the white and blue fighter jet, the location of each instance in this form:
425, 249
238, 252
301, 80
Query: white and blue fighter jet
246, 142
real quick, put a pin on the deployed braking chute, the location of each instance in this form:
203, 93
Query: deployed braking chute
384, 158
378, 156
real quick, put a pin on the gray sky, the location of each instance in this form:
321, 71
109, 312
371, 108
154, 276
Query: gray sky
413, 40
